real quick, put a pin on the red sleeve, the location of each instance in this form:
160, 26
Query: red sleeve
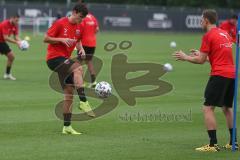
5, 29
205, 46
54, 30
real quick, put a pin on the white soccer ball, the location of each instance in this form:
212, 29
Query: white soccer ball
167, 67
24, 45
173, 44
103, 89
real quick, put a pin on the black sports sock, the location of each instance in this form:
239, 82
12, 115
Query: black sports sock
81, 94
93, 78
213, 137
231, 134
67, 119
8, 69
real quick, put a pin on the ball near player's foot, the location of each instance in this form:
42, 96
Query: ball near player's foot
103, 89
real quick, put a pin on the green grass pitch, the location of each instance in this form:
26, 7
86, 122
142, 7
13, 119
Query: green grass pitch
31, 131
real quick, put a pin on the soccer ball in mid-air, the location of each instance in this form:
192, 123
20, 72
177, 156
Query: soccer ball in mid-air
167, 67
173, 44
24, 45
103, 89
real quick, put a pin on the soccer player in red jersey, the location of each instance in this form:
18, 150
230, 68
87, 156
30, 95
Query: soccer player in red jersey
230, 26
90, 28
217, 45
7, 28
63, 36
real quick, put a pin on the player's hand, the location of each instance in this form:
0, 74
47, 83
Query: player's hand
180, 55
68, 41
194, 52
19, 44
82, 53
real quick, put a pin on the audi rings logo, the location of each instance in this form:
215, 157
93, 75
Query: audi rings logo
193, 21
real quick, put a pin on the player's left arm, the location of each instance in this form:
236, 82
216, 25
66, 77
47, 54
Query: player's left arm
6, 36
97, 29
97, 25
195, 52
198, 58
81, 51
16, 37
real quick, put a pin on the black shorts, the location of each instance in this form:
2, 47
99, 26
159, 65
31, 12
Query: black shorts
89, 52
4, 48
62, 66
219, 92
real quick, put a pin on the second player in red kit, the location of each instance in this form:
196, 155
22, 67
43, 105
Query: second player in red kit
219, 92
89, 30
7, 28
230, 26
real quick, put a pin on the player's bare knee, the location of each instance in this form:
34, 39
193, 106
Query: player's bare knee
68, 93
78, 70
207, 109
12, 58
68, 97
226, 110
204, 109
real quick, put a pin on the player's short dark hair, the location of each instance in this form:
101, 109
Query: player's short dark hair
234, 16
81, 8
210, 15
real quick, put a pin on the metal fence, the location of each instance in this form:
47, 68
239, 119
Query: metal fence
118, 17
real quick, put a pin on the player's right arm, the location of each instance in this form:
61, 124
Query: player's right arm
195, 52
199, 58
54, 40
52, 34
8, 39
196, 57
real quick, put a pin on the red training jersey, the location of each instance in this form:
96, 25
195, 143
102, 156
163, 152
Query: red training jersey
218, 45
89, 25
230, 28
62, 28
6, 28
